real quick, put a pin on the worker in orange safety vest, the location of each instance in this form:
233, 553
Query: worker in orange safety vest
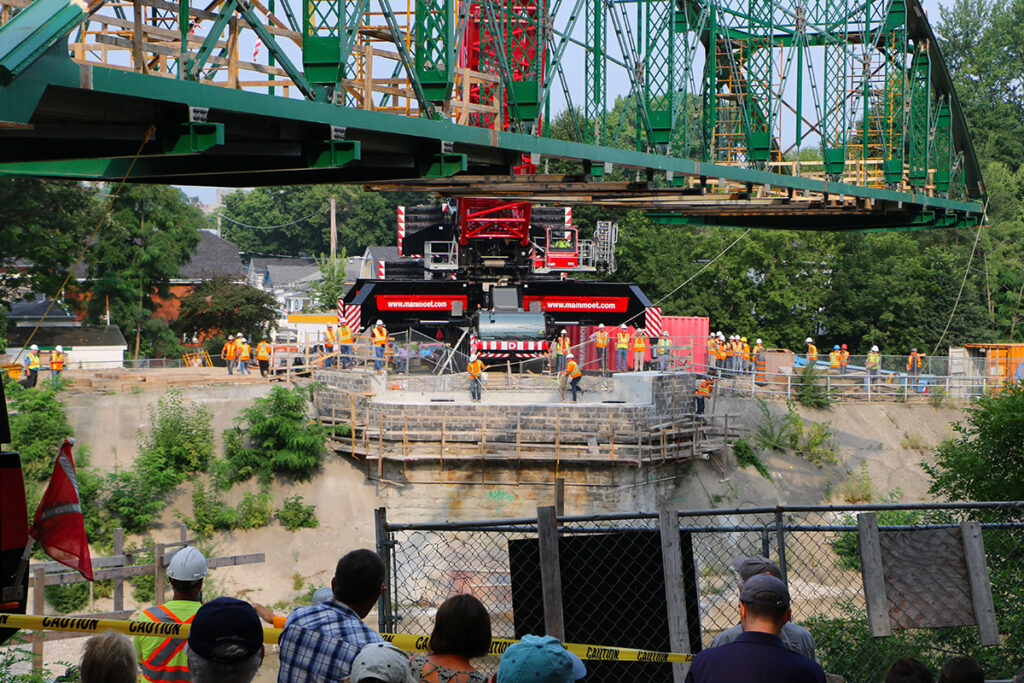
244, 354
476, 371
56, 362
622, 340
380, 342
704, 387
562, 347
345, 345
812, 352
229, 352
330, 342
915, 361
835, 359
601, 343
263, 352
639, 349
573, 372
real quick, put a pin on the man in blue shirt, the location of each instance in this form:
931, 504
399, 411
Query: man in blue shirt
757, 655
320, 642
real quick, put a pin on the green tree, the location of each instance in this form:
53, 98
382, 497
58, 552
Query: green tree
222, 305
153, 231
331, 285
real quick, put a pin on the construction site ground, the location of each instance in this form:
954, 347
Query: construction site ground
107, 410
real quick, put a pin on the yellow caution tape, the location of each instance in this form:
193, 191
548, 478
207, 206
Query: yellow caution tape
405, 641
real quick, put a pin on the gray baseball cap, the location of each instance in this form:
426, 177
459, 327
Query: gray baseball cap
765, 590
754, 565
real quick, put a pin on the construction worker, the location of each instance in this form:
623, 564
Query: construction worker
745, 354
721, 354
729, 355
664, 351
476, 371
639, 349
757, 353
56, 362
812, 352
345, 345
704, 387
562, 347
229, 352
712, 350
835, 359
161, 658
601, 342
844, 359
873, 365
573, 372
330, 341
914, 362
244, 354
263, 356
31, 363
622, 340
380, 344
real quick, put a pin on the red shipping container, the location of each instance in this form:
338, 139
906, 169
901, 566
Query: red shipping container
689, 335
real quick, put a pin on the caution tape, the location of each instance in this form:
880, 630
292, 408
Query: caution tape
404, 641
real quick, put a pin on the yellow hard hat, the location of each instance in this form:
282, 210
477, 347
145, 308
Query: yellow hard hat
743, 339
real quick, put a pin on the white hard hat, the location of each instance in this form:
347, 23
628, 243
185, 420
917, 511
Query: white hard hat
623, 325
240, 338
564, 332
33, 348
665, 333
60, 348
720, 334
188, 564
380, 322
874, 348
472, 357
601, 326
239, 334
758, 341
809, 340
569, 355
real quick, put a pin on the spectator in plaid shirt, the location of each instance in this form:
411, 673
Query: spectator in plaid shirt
320, 642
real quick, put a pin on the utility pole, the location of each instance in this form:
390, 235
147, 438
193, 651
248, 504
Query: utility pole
334, 234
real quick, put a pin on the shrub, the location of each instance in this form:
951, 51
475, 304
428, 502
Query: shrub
936, 397
180, 441
38, 427
817, 443
255, 510
772, 432
295, 514
275, 437
810, 390
746, 457
209, 512
845, 543
69, 597
134, 500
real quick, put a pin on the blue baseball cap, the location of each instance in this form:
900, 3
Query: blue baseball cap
536, 659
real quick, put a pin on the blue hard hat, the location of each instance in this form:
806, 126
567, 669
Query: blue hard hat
836, 347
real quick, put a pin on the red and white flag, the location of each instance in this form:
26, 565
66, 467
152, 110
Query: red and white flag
58, 524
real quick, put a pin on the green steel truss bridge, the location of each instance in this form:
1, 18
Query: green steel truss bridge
506, 98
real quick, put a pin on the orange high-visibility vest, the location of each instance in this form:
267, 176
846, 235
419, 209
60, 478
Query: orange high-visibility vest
167, 663
329, 338
229, 350
622, 340
475, 368
244, 351
704, 388
563, 344
721, 353
835, 359
844, 358
915, 359
639, 343
345, 335
602, 339
758, 349
745, 350
572, 368
56, 360
812, 353
263, 351
380, 335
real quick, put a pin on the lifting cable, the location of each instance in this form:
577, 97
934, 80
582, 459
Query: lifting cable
99, 223
967, 270
275, 227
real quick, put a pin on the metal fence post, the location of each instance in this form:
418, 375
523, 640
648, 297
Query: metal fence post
550, 571
386, 620
780, 535
675, 592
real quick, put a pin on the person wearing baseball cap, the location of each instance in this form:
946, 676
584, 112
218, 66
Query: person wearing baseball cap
381, 663
758, 653
225, 642
539, 659
793, 636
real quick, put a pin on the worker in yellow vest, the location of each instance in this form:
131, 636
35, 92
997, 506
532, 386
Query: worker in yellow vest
562, 347
31, 363
601, 343
244, 354
573, 372
873, 365
745, 354
263, 351
844, 359
914, 363
229, 352
163, 658
56, 362
721, 354
476, 371
622, 340
704, 387
712, 350
330, 342
812, 352
664, 352
835, 359
639, 349
345, 345
380, 343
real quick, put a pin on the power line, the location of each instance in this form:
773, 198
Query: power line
274, 227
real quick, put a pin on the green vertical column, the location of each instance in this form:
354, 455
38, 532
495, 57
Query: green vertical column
757, 120
322, 24
523, 48
918, 129
434, 47
892, 106
942, 150
833, 125
709, 117
595, 77
659, 69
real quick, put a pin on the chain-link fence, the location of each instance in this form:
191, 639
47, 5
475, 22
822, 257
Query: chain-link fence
613, 589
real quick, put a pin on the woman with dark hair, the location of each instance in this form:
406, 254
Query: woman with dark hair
462, 631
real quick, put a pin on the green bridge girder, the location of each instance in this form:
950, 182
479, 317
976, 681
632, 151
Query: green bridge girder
446, 96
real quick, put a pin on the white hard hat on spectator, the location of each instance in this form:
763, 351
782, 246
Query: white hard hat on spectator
758, 341
874, 348
564, 332
380, 322
601, 326
188, 564
809, 340
60, 349
33, 348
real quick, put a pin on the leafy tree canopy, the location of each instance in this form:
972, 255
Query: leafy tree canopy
222, 305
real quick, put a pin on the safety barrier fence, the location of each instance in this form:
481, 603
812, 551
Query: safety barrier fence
606, 582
